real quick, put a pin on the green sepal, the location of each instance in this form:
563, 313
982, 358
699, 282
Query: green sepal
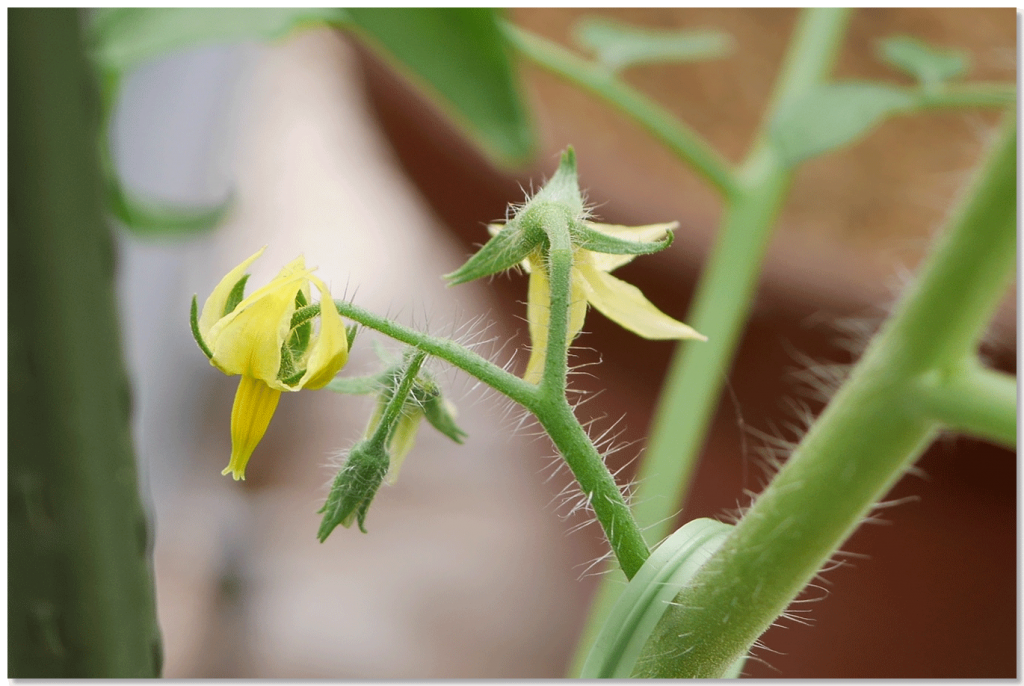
354, 488
441, 415
505, 250
298, 341
562, 188
585, 237
350, 334
354, 385
236, 296
526, 231
437, 410
194, 317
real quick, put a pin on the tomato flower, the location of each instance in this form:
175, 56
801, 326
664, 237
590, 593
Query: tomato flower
592, 285
268, 339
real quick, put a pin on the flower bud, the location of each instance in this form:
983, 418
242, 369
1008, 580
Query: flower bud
354, 487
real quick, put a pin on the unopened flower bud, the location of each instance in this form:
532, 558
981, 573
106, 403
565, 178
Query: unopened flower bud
354, 487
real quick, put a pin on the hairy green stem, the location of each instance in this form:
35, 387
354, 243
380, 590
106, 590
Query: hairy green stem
597, 484
556, 362
862, 444
555, 415
396, 404
524, 393
80, 582
976, 401
721, 305
655, 119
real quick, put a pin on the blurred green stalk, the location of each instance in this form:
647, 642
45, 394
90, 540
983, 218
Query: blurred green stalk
80, 585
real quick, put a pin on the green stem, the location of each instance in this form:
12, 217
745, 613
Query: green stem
726, 292
863, 442
656, 120
555, 416
396, 404
597, 484
80, 585
975, 401
721, 306
969, 95
525, 394
556, 361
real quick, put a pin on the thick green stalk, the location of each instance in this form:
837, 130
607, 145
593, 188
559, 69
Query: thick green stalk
974, 400
867, 437
80, 583
721, 306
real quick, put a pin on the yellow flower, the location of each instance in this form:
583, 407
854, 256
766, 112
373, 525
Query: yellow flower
593, 285
255, 338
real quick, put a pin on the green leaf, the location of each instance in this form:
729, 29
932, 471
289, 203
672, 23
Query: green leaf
832, 115
619, 46
645, 598
930, 66
149, 217
458, 57
121, 38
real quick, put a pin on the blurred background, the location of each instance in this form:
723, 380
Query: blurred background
472, 567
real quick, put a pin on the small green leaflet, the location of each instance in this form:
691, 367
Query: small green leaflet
832, 115
930, 66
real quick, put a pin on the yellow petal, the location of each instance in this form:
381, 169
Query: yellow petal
254, 407
639, 234
248, 341
626, 306
402, 441
294, 267
329, 351
538, 316
577, 307
213, 310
